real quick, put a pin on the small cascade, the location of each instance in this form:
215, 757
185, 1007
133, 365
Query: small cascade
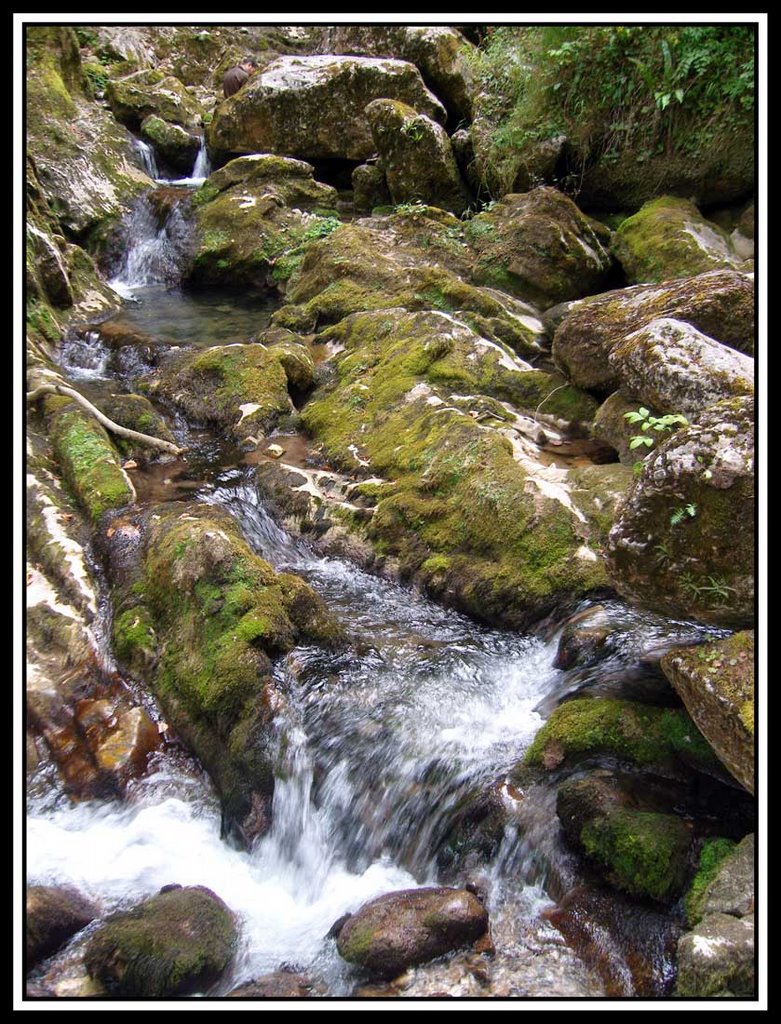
148, 157
85, 357
203, 167
157, 243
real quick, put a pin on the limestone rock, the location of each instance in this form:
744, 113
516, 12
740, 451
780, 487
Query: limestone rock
401, 929
313, 107
176, 943
417, 156
732, 890
670, 365
370, 188
173, 145
683, 543
717, 958
540, 247
718, 303
53, 915
669, 238
150, 92
716, 683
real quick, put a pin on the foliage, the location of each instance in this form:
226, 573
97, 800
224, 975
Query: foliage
656, 88
681, 513
648, 422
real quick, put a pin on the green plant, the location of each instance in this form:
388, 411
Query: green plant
681, 513
414, 130
648, 422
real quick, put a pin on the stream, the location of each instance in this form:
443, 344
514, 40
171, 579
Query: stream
380, 747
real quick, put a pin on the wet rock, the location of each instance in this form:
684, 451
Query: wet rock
401, 929
173, 145
216, 613
136, 413
582, 637
53, 915
670, 365
440, 52
643, 853
669, 238
417, 157
717, 958
149, 93
313, 107
540, 247
126, 748
716, 683
683, 543
50, 266
279, 985
370, 188
719, 303
473, 837
176, 943
243, 389
628, 731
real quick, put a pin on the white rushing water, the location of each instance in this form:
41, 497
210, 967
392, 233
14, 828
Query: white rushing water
155, 246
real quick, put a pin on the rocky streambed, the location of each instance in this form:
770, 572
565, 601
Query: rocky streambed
422, 665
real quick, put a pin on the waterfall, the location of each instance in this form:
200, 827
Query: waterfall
148, 157
203, 167
157, 240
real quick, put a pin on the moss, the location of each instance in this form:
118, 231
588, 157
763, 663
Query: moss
644, 853
88, 459
42, 323
638, 733
134, 637
712, 853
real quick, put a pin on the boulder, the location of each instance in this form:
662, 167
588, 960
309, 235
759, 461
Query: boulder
402, 929
611, 426
720, 304
291, 181
440, 52
370, 188
540, 247
244, 389
173, 145
669, 238
716, 683
281, 984
683, 542
670, 365
52, 915
193, 602
150, 92
176, 943
136, 413
731, 890
313, 107
417, 157
643, 853
717, 958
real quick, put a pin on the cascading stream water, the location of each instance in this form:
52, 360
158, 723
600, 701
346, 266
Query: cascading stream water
155, 246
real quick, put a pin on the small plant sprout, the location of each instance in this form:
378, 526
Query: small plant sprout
681, 513
656, 423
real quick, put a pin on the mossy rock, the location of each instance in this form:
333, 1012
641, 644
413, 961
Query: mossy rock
712, 854
148, 92
669, 238
716, 683
392, 408
417, 157
313, 107
370, 189
683, 542
173, 145
176, 943
244, 389
203, 618
644, 853
717, 959
637, 734
292, 180
718, 303
52, 915
136, 413
88, 459
540, 247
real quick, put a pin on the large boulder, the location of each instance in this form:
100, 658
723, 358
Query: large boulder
720, 304
683, 543
440, 52
540, 247
176, 943
401, 929
417, 157
52, 916
669, 238
313, 107
724, 882
150, 92
717, 958
670, 365
716, 683
173, 145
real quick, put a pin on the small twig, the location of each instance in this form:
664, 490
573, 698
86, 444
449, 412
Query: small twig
126, 432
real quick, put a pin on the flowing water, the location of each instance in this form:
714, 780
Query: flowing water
380, 747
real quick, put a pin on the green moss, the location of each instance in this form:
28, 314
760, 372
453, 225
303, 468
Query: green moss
712, 854
88, 459
641, 734
135, 641
644, 853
